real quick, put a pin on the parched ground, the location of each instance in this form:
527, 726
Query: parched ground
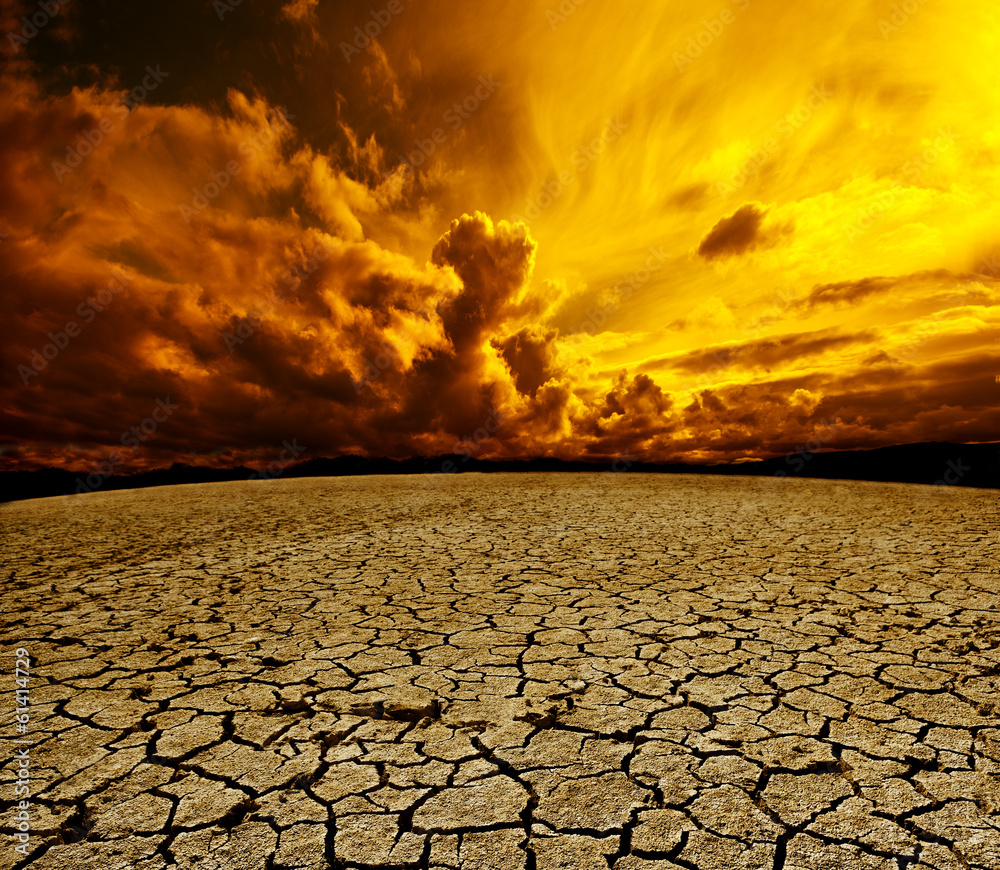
509, 671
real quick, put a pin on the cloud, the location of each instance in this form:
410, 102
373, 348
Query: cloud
381, 80
641, 396
300, 10
633, 417
529, 354
852, 292
493, 263
290, 279
260, 321
846, 292
762, 353
734, 235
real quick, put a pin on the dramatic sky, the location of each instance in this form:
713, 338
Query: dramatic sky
663, 229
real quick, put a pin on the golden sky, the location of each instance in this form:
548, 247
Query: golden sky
664, 230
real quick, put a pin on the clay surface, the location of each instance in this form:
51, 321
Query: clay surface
508, 672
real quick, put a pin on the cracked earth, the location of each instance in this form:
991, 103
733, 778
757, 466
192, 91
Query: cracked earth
509, 672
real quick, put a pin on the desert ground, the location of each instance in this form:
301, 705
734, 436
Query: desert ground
507, 672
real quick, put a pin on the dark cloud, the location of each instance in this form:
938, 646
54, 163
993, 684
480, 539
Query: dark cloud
736, 234
493, 264
691, 197
846, 292
706, 400
641, 396
936, 288
366, 110
950, 400
324, 297
761, 353
453, 388
259, 328
529, 354
881, 358
633, 416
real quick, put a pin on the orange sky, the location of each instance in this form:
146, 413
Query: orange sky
660, 230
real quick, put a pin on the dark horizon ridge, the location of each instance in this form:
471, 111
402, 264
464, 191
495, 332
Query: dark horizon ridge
942, 463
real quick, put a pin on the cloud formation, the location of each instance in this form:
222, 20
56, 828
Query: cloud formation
254, 241
734, 235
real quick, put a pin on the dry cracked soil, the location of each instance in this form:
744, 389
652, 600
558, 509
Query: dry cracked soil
507, 672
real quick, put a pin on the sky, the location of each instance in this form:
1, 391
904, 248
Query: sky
660, 231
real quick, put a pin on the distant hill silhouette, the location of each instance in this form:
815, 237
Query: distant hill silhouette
972, 465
